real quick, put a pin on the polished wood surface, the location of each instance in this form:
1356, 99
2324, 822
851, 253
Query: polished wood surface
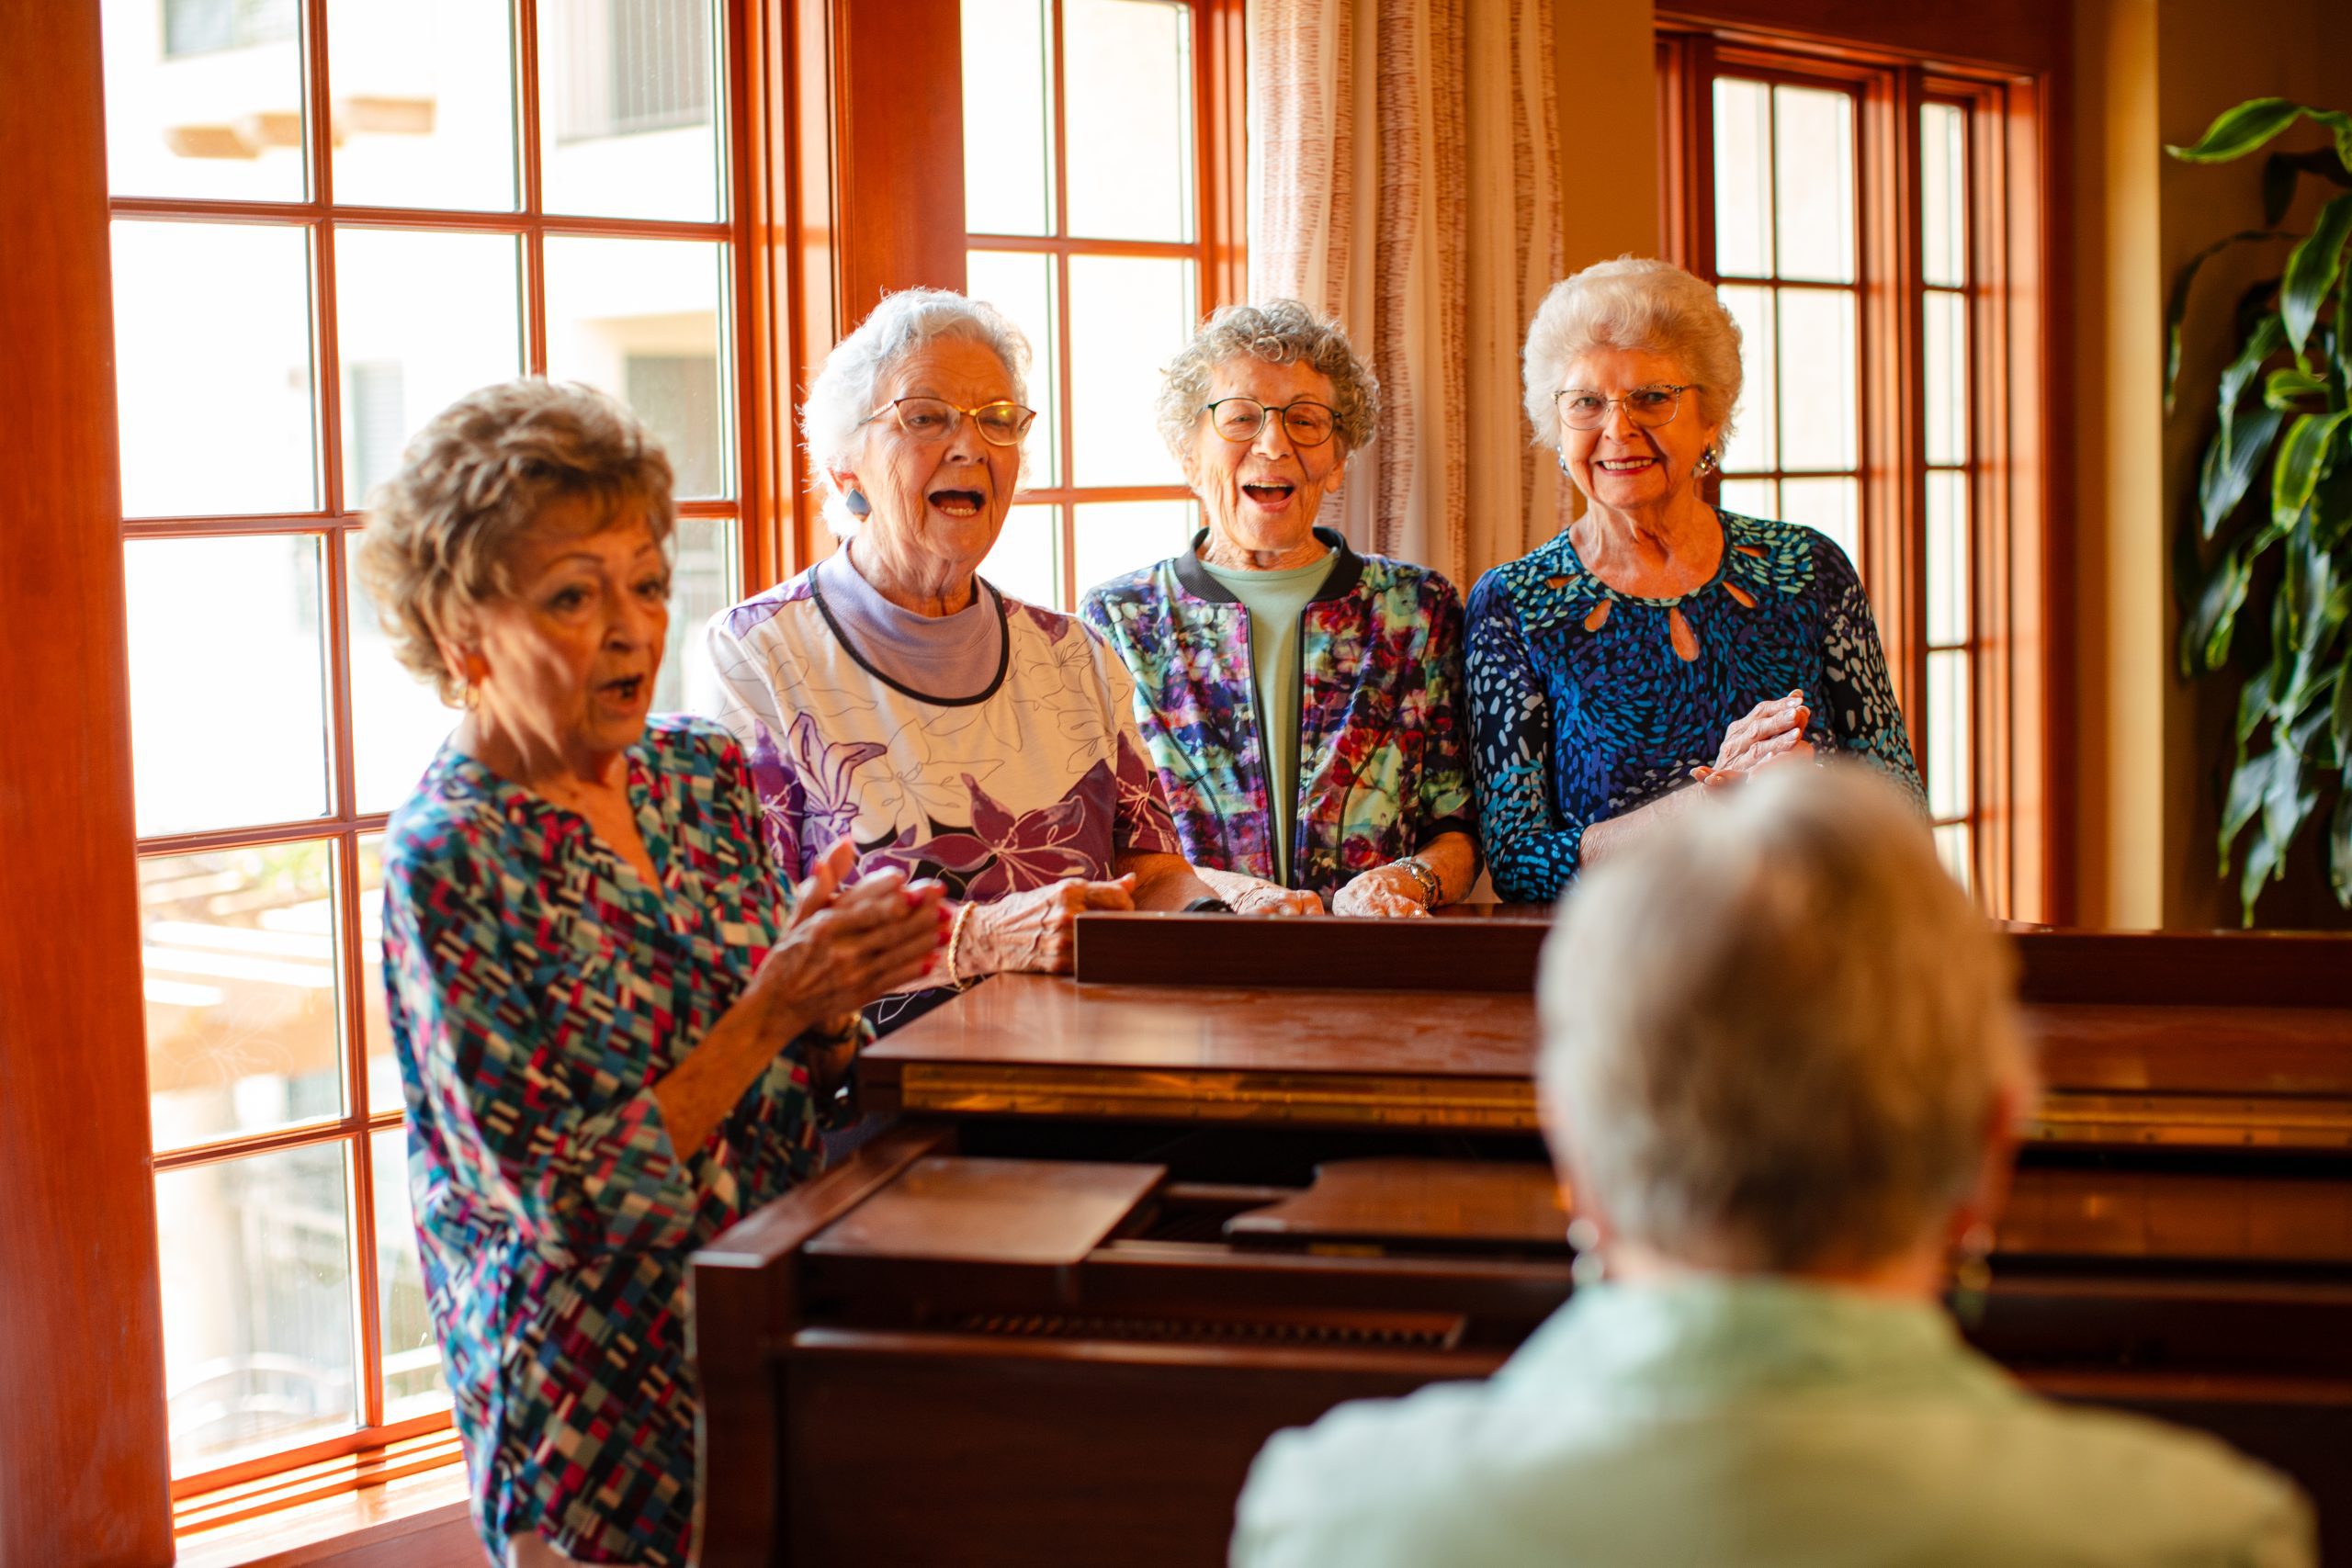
1389, 1203
83, 1474
1478, 947
1012, 1211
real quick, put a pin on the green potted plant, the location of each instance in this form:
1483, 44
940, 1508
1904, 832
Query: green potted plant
2285, 407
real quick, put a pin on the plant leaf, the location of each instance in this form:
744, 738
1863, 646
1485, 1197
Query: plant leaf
2264, 339
2238, 131
2248, 783
2311, 267
2280, 172
2177, 305
2340, 122
2287, 804
2254, 704
2339, 847
2340, 713
2205, 638
2300, 455
2230, 469
2282, 387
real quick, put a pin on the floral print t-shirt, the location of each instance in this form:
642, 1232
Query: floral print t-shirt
1590, 704
1383, 765
536, 990
1036, 777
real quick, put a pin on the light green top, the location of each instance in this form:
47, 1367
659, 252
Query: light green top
1757, 1422
1275, 600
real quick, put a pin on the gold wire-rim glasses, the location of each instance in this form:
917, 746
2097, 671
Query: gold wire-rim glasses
1650, 416
1020, 419
1309, 437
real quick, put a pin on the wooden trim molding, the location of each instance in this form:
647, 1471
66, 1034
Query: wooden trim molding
83, 1466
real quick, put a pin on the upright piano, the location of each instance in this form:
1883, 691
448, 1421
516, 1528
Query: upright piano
1115, 1230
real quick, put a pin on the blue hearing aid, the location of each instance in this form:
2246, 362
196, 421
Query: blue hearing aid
857, 503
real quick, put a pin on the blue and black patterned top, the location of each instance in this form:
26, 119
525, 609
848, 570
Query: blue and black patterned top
537, 990
1583, 708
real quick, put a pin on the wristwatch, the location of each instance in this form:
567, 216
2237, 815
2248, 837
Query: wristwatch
1418, 870
1208, 906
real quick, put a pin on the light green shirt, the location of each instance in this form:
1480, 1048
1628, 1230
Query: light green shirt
1761, 1423
1275, 600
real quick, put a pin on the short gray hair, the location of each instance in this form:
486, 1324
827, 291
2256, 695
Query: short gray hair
1634, 303
844, 390
440, 532
1280, 331
1775, 1034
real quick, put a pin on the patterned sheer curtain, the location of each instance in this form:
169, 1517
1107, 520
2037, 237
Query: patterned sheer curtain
1405, 177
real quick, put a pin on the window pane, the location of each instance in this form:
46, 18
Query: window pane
1116, 538
1751, 498
1813, 166
1943, 188
398, 721
707, 577
1755, 441
414, 1383
1128, 316
1953, 847
424, 103
204, 98
228, 711
384, 1091
1008, 119
1818, 372
1948, 558
1129, 77
1946, 345
1022, 287
1831, 505
238, 949
1949, 769
640, 319
256, 1265
1026, 561
213, 368
421, 318
628, 92
1743, 179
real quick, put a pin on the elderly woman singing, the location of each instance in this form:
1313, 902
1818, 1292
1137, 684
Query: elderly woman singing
890, 695
613, 1029
1781, 1073
1658, 643
1299, 698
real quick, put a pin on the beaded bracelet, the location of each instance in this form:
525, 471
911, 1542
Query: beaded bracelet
954, 942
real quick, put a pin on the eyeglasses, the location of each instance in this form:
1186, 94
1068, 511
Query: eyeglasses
936, 419
1581, 408
1241, 418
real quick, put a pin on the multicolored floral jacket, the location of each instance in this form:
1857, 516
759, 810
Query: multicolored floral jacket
1383, 761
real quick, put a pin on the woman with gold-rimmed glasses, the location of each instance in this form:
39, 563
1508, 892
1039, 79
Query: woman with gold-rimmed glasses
1658, 643
1299, 698
890, 696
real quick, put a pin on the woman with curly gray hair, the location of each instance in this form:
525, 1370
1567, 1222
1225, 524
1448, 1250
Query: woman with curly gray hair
891, 694
1298, 697
614, 1028
1658, 643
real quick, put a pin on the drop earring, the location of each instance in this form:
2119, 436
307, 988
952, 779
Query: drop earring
1706, 463
1584, 1240
856, 503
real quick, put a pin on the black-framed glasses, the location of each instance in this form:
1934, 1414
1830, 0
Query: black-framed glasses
1582, 408
1000, 423
1308, 423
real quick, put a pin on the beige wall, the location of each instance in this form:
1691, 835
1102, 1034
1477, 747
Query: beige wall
2152, 748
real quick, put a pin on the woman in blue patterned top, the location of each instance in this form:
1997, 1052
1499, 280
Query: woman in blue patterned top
613, 1029
1658, 648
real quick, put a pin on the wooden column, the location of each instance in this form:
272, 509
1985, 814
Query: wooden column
897, 200
84, 1472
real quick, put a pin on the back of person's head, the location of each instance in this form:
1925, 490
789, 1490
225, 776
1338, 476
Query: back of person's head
1777, 1035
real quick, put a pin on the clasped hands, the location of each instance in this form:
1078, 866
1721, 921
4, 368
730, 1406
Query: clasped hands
1770, 734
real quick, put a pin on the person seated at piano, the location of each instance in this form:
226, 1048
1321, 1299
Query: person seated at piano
891, 694
613, 1026
1781, 1074
1657, 647
1300, 700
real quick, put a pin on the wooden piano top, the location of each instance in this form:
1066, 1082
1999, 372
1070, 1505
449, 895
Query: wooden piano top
2129, 1054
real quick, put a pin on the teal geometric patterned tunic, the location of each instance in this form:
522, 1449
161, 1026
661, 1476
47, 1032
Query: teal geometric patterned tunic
1587, 703
538, 989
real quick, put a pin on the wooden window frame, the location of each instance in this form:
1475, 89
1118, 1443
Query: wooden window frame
2020, 678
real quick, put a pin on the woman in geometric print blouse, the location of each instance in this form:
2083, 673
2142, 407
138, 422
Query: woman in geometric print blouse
1657, 648
613, 1029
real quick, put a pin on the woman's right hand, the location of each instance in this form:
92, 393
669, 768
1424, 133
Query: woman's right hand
845, 948
1772, 732
1037, 929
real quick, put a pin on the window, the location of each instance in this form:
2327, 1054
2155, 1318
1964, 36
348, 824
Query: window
319, 242
1087, 214
1854, 215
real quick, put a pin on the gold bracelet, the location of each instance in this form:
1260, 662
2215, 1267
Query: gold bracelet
955, 940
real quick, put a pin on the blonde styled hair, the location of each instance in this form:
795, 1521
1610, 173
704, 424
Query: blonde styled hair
440, 531
1775, 1034
1634, 303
